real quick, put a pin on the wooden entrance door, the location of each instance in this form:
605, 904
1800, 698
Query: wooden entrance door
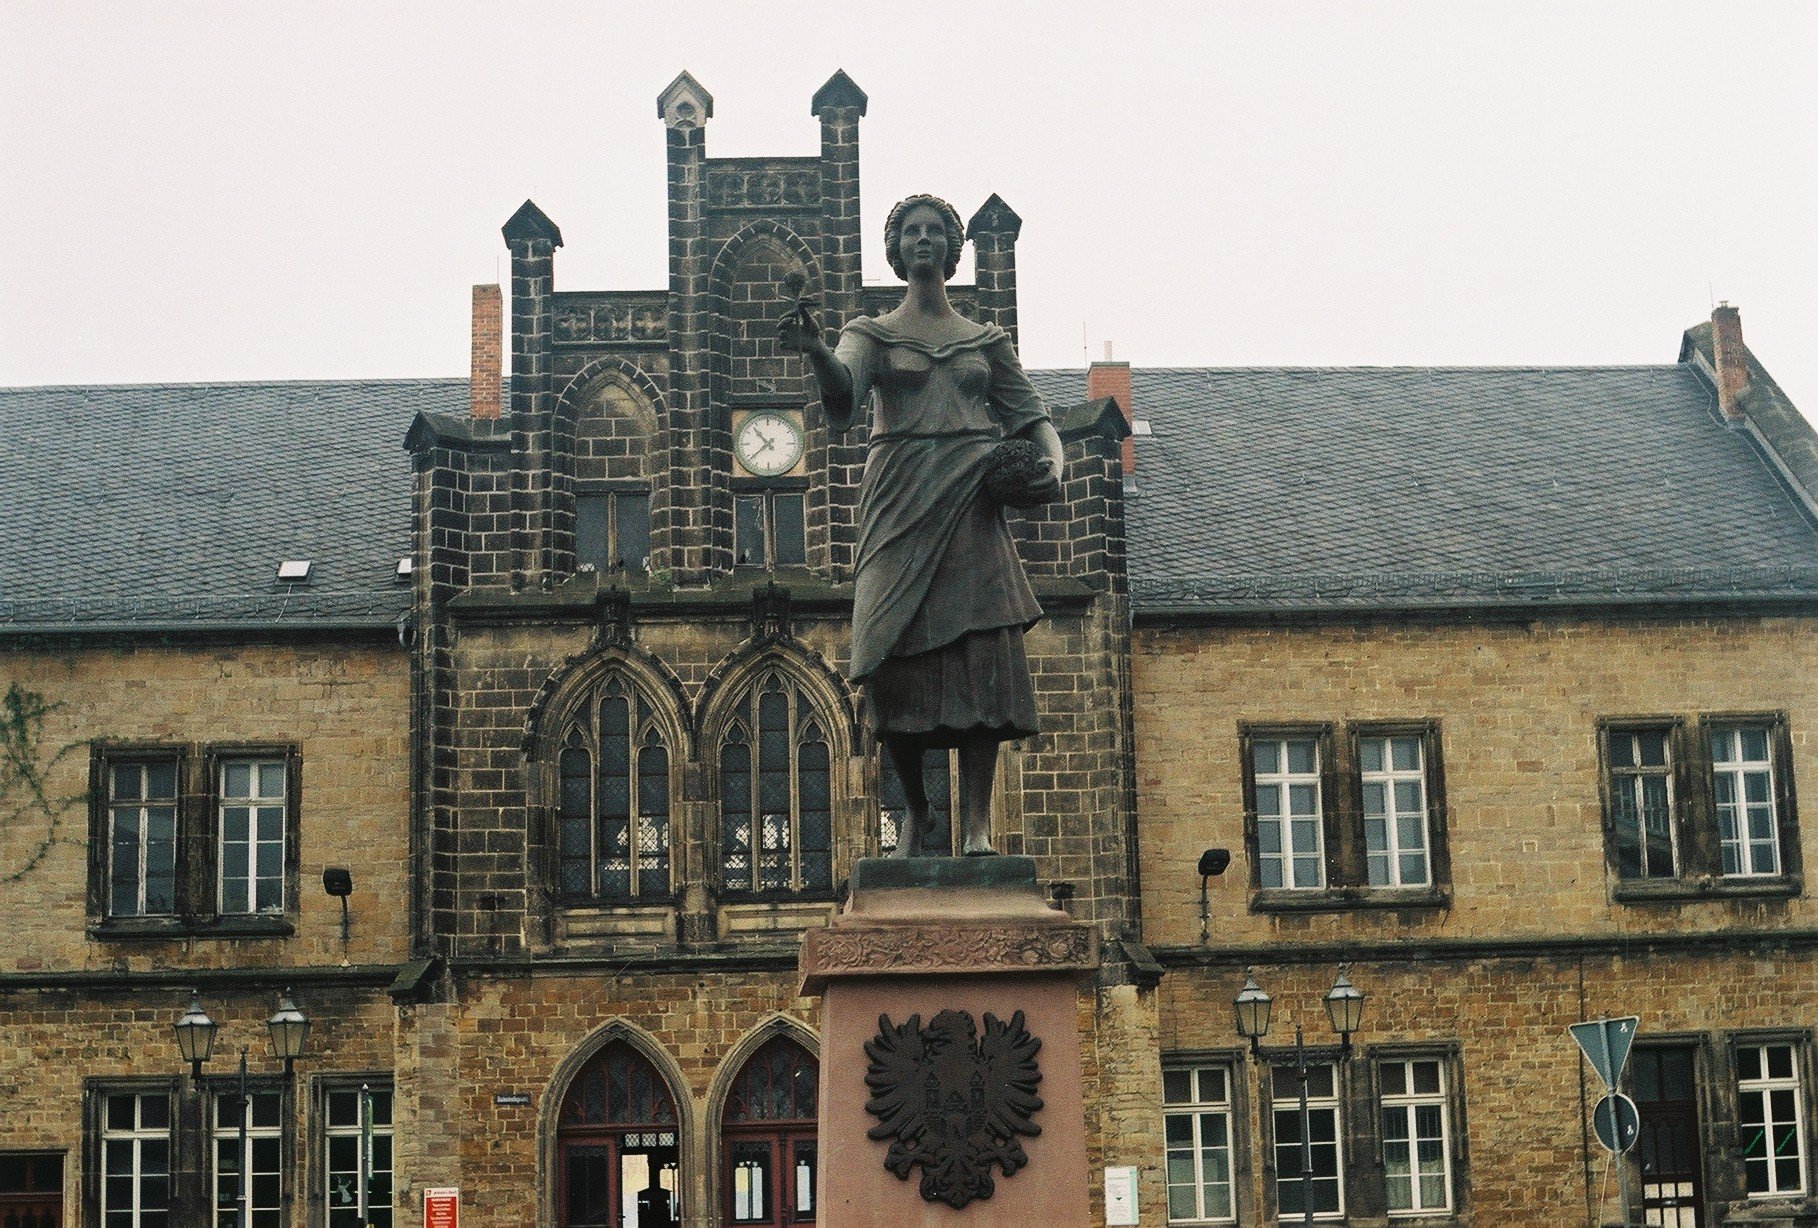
1665, 1086
768, 1139
616, 1145
31, 1190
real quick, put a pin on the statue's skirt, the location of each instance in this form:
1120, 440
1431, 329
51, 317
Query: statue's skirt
976, 686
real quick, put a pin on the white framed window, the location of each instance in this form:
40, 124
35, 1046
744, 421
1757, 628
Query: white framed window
1742, 787
1770, 1119
1416, 1136
1322, 1187
142, 838
135, 1160
1641, 802
1394, 779
257, 1199
251, 805
356, 1143
1290, 836
1197, 1122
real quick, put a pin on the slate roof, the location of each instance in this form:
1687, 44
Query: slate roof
171, 505
1258, 490
1286, 488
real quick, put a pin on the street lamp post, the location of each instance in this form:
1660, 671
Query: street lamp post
288, 1028
1344, 1010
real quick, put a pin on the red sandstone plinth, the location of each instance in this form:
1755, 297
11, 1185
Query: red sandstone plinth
919, 937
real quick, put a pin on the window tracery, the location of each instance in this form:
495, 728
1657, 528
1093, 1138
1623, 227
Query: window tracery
613, 799
776, 792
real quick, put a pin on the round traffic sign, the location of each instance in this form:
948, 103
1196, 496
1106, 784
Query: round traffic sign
1617, 1122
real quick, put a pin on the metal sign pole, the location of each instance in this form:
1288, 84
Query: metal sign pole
365, 1148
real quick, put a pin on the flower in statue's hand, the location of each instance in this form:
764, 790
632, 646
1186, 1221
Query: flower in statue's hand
1018, 474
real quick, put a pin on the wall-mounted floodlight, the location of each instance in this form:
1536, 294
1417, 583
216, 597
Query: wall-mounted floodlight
1212, 863
338, 882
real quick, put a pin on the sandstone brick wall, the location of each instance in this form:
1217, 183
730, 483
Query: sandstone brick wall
1517, 704
57, 1042
345, 709
1527, 1095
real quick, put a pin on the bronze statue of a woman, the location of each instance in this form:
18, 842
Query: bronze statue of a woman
941, 601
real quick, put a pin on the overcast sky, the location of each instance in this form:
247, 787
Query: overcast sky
250, 191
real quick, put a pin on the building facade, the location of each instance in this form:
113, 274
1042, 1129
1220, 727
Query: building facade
1494, 685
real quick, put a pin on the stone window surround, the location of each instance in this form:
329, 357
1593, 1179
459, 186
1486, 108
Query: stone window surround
95, 1093
1800, 1041
1697, 847
1715, 1072
198, 842
1236, 1110
1347, 883
1362, 1189
316, 1177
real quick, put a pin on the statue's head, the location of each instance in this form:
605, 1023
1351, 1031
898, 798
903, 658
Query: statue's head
893, 232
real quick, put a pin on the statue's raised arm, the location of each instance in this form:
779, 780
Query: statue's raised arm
799, 332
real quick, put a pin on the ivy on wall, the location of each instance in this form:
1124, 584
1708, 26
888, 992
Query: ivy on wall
25, 763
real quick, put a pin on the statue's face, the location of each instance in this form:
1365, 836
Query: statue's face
924, 241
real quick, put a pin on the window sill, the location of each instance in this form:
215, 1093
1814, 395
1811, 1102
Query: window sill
779, 897
1768, 1210
1685, 890
1348, 899
165, 929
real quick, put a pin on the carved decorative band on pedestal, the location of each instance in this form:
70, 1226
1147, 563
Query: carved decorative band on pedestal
941, 950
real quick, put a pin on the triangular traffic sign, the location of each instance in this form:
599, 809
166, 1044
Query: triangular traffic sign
1606, 1044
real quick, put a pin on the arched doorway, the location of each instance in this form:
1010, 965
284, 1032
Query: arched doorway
768, 1137
616, 1145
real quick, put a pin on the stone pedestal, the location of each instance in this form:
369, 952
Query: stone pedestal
927, 935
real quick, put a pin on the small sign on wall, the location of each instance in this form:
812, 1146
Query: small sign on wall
442, 1207
1120, 1195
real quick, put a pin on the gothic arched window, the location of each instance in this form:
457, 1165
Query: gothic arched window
613, 805
776, 793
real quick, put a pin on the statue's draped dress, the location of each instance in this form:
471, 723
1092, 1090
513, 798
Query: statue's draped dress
941, 601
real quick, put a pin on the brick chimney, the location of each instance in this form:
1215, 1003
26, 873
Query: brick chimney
488, 352
1112, 379
1731, 360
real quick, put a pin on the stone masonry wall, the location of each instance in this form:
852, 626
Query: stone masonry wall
344, 708
1517, 704
1527, 1095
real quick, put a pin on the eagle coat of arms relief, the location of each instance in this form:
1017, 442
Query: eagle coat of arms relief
952, 1101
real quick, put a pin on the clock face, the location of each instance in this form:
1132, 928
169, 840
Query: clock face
768, 444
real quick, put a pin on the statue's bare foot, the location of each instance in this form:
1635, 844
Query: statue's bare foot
978, 846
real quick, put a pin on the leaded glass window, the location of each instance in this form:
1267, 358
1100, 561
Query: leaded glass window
613, 799
776, 793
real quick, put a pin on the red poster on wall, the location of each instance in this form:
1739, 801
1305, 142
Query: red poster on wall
442, 1207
